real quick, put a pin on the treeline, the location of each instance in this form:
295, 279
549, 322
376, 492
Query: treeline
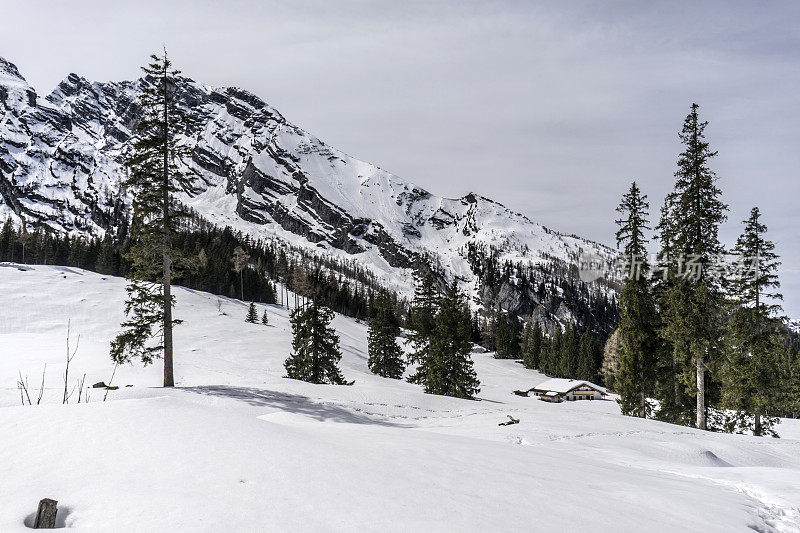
211, 271
339, 284
570, 352
702, 339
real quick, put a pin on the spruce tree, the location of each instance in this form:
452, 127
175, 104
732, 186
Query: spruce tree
758, 264
586, 358
476, 336
532, 346
7, 241
515, 337
422, 317
385, 355
568, 354
554, 352
692, 304
635, 379
265, 318
315, 346
107, 259
669, 391
252, 314
751, 371
598, 344
155, 176
502, 335
790, 380
447, 367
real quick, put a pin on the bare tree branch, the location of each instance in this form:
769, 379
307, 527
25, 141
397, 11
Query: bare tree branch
67, 393
23, 385
80, 387
110, 380
41, 387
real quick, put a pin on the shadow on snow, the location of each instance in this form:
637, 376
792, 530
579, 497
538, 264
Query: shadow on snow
293, 403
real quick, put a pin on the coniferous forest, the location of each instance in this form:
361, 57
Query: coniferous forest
702, 340
343, 286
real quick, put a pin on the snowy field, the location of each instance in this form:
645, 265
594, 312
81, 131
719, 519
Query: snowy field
236, 447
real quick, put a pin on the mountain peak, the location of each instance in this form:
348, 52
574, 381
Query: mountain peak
15, 93
10, 70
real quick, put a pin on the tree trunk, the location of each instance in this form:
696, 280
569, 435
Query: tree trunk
701, 394
643, 406
643, 399
46, 514
757, 429
169, 379
676, 386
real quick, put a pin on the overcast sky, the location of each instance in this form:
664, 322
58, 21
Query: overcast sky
549, 109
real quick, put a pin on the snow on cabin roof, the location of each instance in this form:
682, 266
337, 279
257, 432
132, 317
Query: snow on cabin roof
564, 385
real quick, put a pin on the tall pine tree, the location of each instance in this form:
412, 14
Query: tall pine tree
422, 317
635, 379
155, 176
692, 304
532, 345
753, 349
506, 335
587, 368
552, 357
568, 356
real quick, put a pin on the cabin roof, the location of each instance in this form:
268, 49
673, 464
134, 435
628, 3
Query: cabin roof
564, 385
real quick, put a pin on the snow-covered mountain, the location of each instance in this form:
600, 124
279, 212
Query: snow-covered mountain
60, 164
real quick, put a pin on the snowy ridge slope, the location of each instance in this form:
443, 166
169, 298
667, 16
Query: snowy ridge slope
60, 164
236, 447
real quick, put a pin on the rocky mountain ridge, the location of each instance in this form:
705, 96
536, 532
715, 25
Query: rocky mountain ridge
60, 165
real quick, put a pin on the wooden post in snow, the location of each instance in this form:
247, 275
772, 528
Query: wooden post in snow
46, 514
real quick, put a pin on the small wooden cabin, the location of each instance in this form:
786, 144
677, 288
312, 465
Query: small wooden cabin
561, 389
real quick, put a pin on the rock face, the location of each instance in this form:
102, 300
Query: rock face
60, 165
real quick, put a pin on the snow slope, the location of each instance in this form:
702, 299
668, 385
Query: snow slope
236, 447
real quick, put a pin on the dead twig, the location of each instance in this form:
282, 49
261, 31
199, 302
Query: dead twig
108, 387
80, 387
23, 386
41, 387
67, 393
